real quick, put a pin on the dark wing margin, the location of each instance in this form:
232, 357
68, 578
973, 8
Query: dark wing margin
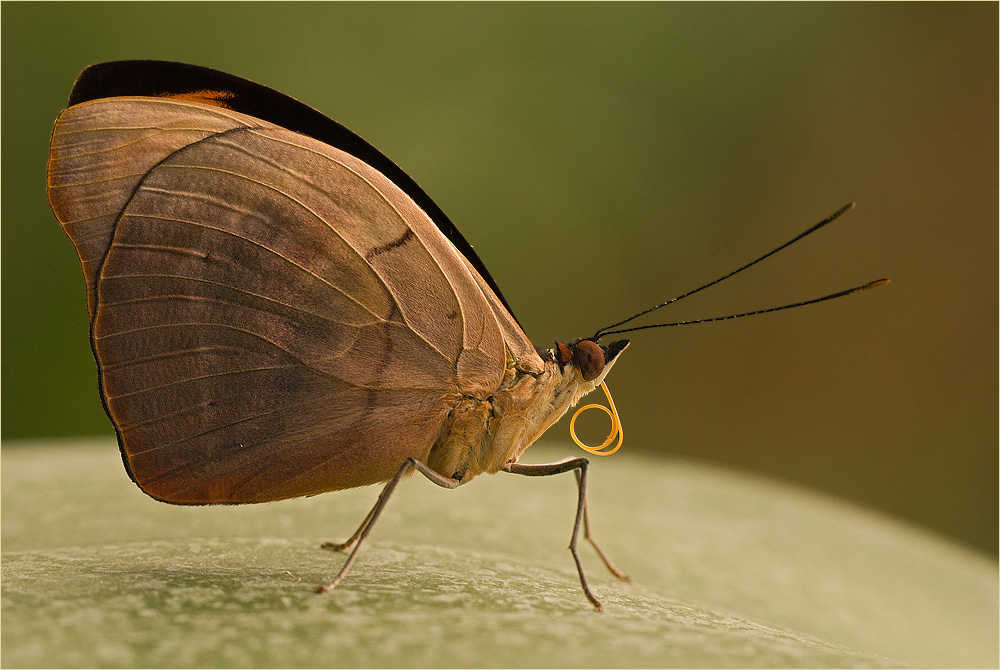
179, 80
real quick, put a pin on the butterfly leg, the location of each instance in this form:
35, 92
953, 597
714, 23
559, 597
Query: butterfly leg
600, 552
579, 465
366, 525
341, 546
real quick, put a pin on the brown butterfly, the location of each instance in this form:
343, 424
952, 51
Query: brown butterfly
277, 310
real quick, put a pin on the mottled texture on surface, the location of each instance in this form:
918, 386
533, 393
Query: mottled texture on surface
730, 570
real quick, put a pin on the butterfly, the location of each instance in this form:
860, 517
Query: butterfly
278, 310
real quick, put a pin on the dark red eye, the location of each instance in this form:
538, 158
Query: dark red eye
589, 357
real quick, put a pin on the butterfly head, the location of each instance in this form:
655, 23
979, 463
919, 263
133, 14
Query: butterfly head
589, 358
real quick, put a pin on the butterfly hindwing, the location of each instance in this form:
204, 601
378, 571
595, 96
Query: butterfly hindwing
272, 317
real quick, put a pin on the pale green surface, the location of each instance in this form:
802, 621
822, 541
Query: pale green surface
730, 571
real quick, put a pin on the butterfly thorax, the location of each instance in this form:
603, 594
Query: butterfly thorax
484, 435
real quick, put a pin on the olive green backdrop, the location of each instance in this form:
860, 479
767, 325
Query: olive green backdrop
603, 158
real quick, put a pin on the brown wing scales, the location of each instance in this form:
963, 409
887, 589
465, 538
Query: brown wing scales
263, 321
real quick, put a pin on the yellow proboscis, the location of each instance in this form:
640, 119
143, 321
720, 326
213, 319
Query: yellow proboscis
616, 428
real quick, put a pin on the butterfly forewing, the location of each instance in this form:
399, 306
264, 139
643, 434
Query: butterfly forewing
271, 316
101, 150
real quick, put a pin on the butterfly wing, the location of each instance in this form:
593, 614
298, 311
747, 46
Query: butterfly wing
153, 78
271, 316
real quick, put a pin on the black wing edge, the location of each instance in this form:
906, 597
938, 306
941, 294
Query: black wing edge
166, 78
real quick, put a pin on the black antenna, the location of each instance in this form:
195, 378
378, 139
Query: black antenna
838, 294
609, 330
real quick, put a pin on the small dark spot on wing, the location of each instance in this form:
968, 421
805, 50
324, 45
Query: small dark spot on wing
389, 246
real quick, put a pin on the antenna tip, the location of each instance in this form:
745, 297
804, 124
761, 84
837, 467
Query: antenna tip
843, 210
877, 282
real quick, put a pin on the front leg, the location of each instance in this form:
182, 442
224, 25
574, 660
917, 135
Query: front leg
579, 466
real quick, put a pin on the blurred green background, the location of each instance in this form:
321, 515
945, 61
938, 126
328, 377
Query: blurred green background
603, 158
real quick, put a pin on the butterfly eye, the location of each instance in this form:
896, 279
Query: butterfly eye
589, 357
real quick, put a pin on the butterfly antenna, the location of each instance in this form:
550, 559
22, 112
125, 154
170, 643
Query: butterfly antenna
608, 330
838, 294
